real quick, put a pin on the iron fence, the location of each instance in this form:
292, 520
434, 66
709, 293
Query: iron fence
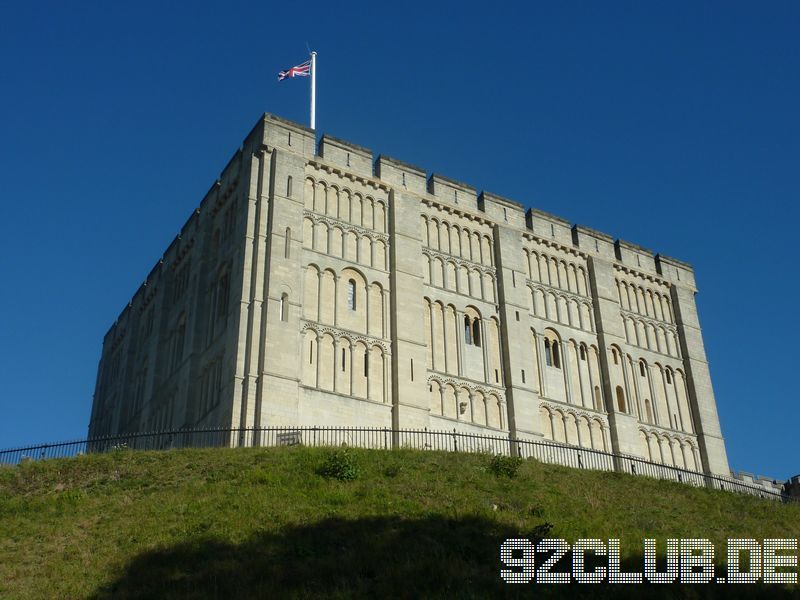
387, 439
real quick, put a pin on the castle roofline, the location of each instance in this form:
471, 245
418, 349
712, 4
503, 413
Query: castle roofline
484, 195
635, 247
674, 262
593, 232
329, 139
546, 215
436, 178
402, 164
272, 117
359, 160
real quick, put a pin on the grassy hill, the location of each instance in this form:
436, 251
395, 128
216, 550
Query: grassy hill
277, 522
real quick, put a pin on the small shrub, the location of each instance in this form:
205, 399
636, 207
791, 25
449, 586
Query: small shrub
7, 475
71, 496
256, 477
541, 532
535, 511
340, 465
392, 471
505, 466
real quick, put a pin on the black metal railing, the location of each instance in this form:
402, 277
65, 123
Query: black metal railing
386, 439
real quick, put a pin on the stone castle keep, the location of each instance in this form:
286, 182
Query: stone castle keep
327, 288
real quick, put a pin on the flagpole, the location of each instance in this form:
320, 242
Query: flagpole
313, 90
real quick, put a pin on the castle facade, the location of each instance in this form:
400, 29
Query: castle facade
317, 286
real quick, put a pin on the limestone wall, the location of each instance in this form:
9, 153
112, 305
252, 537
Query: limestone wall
317, 286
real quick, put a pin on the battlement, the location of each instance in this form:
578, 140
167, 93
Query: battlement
351, 157
591, 240
452, 192
674, 270
548, 226
401, 174
635, 256
502, 209
768, 483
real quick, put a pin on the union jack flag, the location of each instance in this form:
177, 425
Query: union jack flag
302, 70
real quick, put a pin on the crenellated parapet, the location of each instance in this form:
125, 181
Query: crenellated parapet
357, 160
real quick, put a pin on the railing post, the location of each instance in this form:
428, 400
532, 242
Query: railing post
455, 440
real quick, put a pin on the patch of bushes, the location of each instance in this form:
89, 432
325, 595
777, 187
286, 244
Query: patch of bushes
392, 470
339, 465
505, 466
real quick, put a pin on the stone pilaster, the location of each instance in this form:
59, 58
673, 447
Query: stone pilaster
698, 379
610, 330
410, 394
516, 341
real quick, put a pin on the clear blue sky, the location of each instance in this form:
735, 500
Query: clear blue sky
674, 125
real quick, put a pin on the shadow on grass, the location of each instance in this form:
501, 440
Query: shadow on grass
371, 557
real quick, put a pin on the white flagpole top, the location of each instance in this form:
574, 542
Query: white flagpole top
313, 90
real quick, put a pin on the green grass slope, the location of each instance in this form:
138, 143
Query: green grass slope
268, 523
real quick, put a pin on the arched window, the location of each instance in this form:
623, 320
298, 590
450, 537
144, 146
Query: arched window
284, 310
287, 242
614, 354
669, 377
641, 368
472, 330
583, 353
556, 356
178, 341
620, 399
548, 353
289, 186
351, 294
222, 294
